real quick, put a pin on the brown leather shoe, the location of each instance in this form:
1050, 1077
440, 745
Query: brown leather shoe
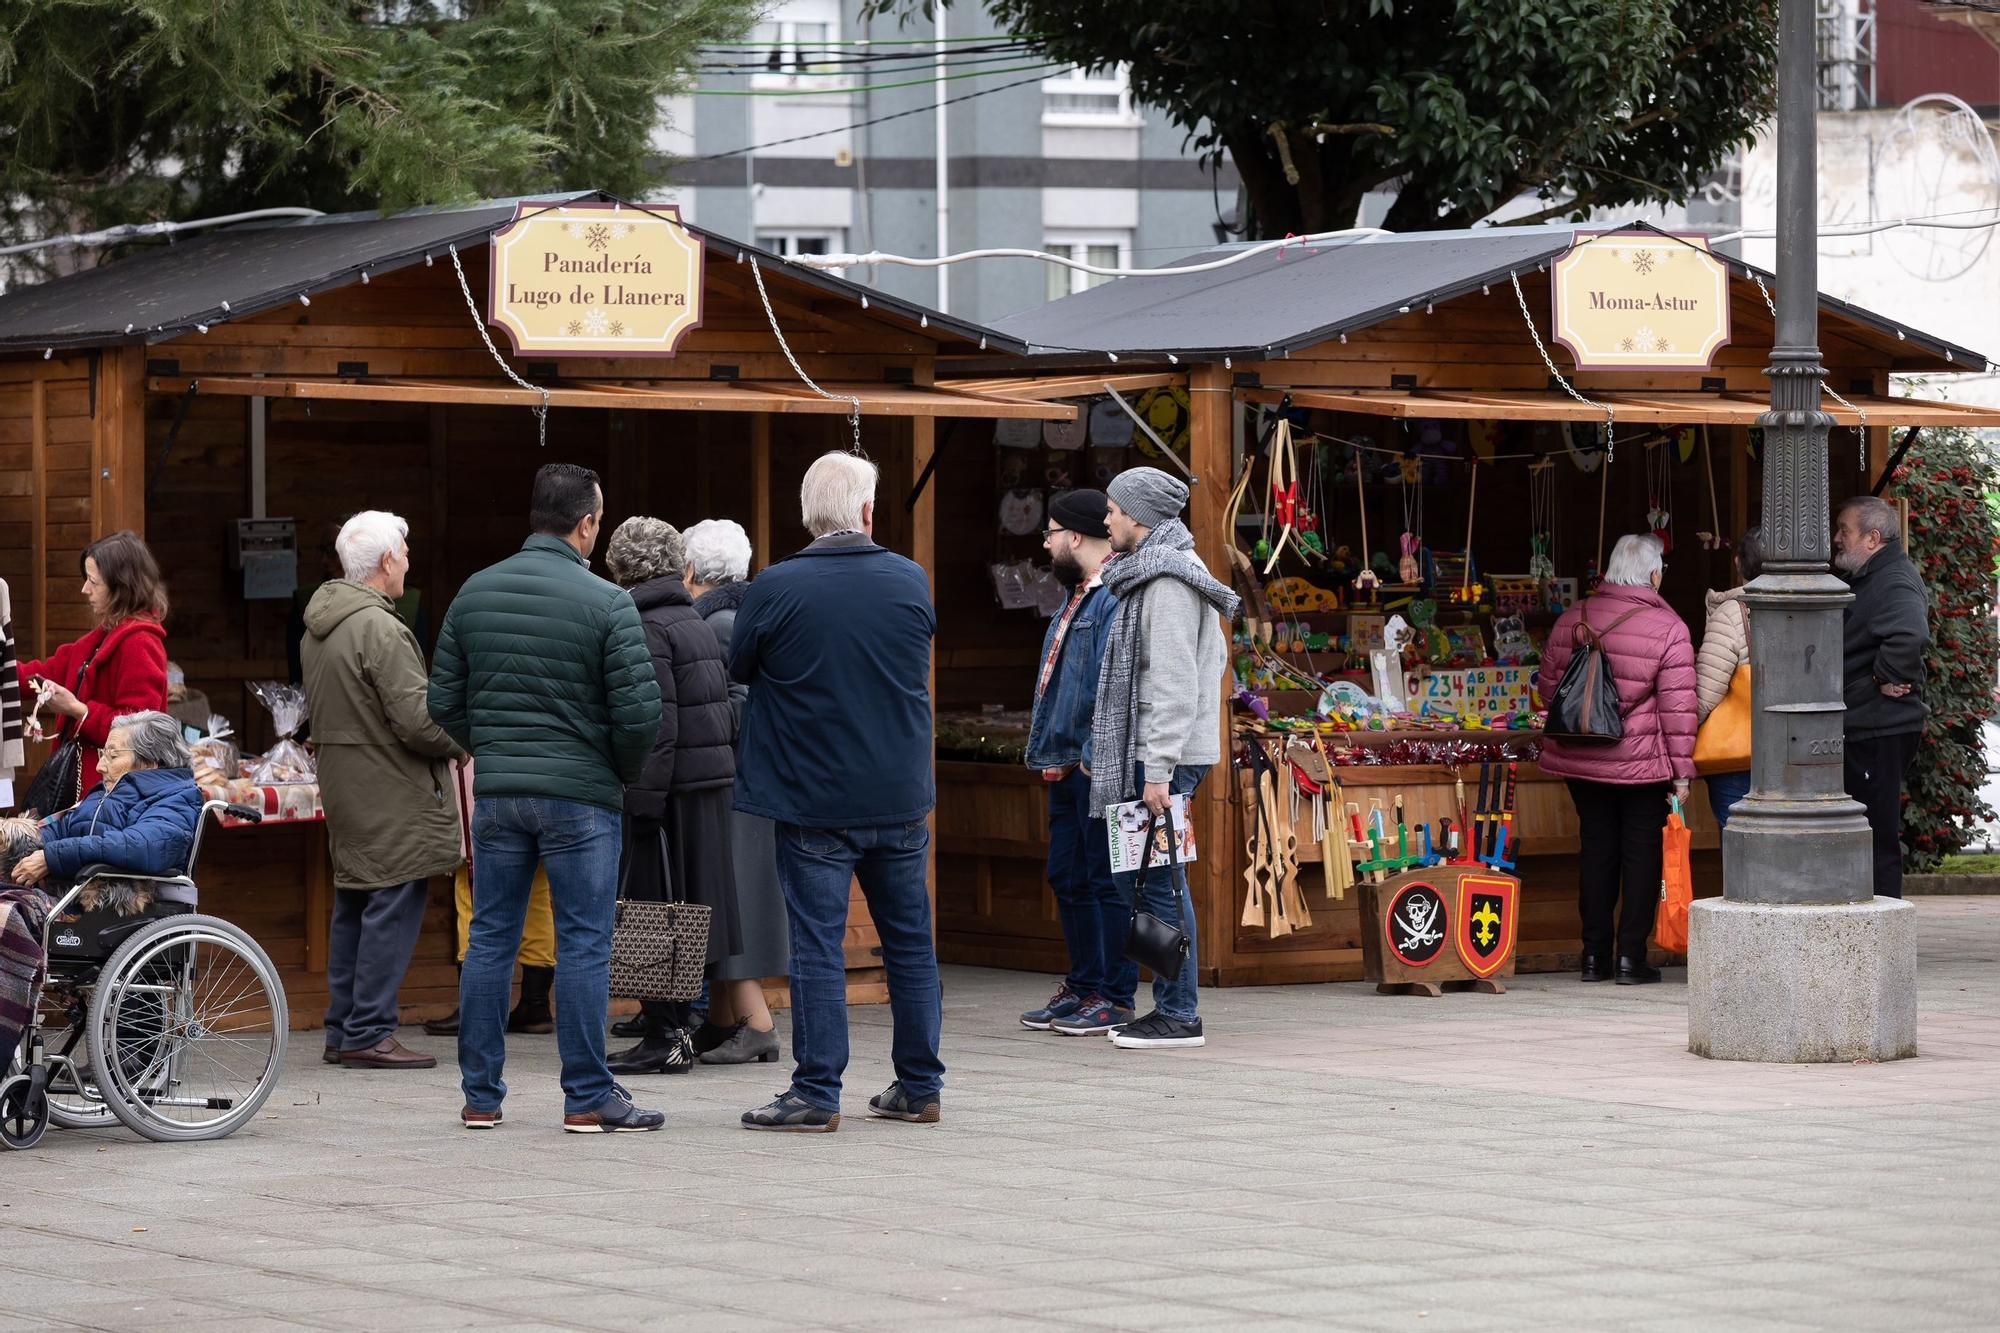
388, 1053
472, 1119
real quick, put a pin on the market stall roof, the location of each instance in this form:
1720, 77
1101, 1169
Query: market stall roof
901, 400
1670, 408
220, 276
1288, 299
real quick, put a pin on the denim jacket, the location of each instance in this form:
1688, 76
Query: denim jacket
1059, 734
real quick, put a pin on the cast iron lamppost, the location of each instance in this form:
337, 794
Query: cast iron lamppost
1799, 961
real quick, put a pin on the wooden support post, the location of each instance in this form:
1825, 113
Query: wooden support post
436, 542
1213, 404
760, 490
923, 549
38, 519
1739, 481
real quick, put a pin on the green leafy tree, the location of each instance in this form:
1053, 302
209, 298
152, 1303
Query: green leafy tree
1457, 106
116, 111
1949, 480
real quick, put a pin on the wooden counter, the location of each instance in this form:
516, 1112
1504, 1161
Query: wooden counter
995, 909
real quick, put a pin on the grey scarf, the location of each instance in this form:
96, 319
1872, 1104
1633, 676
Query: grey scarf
1167, 552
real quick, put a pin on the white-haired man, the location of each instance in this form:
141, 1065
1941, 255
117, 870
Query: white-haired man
1886, 629
385, 781
835, 646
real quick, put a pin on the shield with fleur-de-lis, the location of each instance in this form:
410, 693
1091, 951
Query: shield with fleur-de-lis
1488, 913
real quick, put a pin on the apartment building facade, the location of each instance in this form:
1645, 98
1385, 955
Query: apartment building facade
836, 116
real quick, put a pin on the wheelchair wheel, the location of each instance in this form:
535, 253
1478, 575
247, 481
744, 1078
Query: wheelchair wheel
24, 1116
187, 1029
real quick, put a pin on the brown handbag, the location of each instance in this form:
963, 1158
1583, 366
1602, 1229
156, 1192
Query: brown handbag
659, 950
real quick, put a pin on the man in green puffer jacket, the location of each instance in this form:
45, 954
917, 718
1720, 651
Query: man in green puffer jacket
543, 674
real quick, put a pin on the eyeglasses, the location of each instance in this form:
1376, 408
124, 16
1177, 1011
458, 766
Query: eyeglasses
1050, 532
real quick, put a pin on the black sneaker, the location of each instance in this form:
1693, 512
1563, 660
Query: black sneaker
671, 1054
892, 1103
1157, 1030
793, 1114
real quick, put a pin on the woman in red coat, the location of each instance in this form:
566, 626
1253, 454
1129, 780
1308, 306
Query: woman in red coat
121, 666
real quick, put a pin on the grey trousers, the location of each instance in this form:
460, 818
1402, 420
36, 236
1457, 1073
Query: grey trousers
368, 949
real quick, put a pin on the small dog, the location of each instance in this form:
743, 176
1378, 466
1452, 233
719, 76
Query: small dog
21, 837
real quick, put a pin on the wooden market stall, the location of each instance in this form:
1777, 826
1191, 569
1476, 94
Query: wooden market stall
1411, 375
233, 397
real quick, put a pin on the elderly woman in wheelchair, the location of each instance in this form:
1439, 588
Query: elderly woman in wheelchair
170, 1022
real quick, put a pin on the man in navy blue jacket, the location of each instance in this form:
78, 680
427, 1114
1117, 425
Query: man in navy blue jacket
836, 748
1097, 993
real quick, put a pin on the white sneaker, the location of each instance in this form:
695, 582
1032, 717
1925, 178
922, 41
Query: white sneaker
1156, 1030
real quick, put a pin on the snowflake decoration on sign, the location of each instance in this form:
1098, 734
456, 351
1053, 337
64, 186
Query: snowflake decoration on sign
574, 328
1642, 261
617, 328
1626, 345
597, 236
1662, 345
619, 231
596, 323
1643, 337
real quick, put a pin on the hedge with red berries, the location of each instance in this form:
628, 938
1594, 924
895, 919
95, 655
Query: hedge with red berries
1948, 478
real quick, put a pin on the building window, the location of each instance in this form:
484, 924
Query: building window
792, 244
1080, 96
1106, 250
797, 41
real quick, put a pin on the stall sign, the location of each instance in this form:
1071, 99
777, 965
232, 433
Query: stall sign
1491, 691
1640, 301
595, 279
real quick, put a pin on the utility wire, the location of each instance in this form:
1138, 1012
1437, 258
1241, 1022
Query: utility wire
764, 63
844, 89
754, 44
863, 124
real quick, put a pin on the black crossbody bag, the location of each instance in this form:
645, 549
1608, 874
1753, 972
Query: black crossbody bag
1158, 947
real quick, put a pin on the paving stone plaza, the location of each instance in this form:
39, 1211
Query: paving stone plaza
1333, 1160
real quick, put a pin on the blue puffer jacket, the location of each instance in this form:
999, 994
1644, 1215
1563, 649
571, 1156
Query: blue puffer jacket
145, 825
1059, 734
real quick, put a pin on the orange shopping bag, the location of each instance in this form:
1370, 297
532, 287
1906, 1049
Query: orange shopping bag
1670, 927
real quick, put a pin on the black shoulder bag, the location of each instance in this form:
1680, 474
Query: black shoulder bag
1585, 710
58, 784
1160, 948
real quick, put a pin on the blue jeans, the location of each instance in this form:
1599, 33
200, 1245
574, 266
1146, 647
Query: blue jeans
1094, 917
816, 867
1724, 791
1166, 896
578, 844
369, 944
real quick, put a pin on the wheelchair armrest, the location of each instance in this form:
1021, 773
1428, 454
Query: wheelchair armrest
98, 870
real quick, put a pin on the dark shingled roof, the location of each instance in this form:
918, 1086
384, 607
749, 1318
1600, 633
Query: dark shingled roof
214, 277
1285, 300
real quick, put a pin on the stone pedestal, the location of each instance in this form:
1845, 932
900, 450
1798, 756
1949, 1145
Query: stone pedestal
1802, 983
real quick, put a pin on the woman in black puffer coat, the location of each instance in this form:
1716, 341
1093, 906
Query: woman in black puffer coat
677, 815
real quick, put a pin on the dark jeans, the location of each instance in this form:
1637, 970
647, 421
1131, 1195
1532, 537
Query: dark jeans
1619, 828
1166, 896
816, 869
1724, 791
578, 845
374, 932
1875, 767
1094, 917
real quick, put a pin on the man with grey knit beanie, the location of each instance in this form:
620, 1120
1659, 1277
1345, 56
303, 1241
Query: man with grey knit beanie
1158, 726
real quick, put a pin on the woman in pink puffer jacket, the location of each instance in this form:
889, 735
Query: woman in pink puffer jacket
1621, 790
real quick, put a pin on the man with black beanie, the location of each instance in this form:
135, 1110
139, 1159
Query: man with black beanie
1097, 993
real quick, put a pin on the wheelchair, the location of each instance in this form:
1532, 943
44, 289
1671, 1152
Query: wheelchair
168, 1022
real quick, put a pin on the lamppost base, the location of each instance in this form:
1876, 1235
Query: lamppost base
1802, 983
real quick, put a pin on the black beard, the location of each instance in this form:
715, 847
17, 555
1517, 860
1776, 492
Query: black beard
1067, 571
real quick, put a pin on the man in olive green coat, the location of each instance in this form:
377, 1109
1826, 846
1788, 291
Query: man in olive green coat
543, 673
385, 782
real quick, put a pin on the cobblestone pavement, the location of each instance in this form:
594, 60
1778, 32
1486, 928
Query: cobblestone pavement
1333, 1159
